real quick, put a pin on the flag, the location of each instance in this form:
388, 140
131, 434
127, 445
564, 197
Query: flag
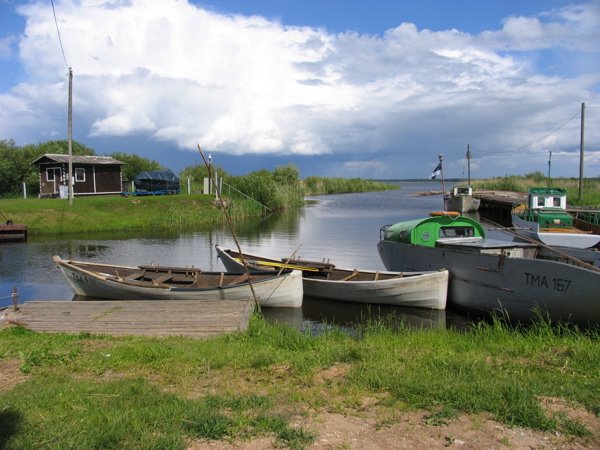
436, 171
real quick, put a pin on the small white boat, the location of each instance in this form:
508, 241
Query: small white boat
114, 282
461, 199
545, 219
325, 280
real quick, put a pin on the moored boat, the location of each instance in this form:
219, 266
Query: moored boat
461, 199
519, 279
545, 218
325, 280
115, 282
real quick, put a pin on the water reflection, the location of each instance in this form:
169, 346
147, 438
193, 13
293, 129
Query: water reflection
316, 314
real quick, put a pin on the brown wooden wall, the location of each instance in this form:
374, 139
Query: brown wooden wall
107, 179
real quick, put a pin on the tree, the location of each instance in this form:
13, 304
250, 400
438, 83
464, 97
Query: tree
135, 164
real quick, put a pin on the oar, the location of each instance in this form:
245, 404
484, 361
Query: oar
289, 259
230, 224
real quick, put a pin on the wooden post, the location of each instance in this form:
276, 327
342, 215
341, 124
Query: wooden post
581, 151
70, 137
15, 298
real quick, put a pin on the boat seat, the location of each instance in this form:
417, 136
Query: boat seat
243, 277
136, 275
376, 277
162, 279
354, 274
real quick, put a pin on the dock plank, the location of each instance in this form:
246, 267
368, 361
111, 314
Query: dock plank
200, 319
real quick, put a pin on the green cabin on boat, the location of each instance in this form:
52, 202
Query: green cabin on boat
426, 232
547, 207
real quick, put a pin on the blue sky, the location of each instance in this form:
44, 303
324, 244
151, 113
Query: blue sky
354, 89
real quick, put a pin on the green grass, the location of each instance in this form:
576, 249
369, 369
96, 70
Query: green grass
115, 213
519, 183
86, 391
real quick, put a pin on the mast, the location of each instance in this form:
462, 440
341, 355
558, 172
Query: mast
441, 158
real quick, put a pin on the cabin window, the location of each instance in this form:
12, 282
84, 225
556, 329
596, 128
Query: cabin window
541, 201
556, 201
80, 175
53, 174
450, 232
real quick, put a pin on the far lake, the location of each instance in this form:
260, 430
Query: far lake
341, 228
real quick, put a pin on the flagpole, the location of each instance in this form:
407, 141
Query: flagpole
441, 158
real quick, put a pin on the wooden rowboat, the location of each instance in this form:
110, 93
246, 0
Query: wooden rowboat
325, 280
114, 282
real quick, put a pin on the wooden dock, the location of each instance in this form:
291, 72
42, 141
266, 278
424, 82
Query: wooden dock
192, 318
497, 205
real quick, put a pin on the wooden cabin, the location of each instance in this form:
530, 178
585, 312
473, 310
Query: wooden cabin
92, 175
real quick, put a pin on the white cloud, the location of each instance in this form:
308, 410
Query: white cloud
175, 72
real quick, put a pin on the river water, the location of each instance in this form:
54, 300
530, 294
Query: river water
341, 228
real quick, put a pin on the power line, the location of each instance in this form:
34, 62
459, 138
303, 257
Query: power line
58, 32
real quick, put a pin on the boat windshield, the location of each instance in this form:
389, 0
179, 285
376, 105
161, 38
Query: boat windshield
450, 232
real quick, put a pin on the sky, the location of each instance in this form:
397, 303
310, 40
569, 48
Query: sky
376, 89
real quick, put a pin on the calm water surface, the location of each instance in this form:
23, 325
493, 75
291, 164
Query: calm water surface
341, 228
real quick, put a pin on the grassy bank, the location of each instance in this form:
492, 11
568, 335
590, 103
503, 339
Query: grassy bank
521, 183
115, 213
86, 391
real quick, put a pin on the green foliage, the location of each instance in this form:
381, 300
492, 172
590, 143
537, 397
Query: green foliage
16, 167
135, 164
320, 185
521, 183
278, 189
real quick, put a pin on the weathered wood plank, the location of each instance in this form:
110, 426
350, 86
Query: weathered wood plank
200, 319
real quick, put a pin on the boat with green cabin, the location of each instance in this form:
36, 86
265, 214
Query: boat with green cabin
490, 275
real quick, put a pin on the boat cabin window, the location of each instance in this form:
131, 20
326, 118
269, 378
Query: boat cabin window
449, 232
556, 201
541, 201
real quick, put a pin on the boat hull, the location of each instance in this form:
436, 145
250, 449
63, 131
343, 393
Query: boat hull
462, 203
283, 291
554, 238
414, 289
517, 287
426, 290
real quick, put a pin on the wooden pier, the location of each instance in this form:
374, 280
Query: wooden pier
497, 205
192, 318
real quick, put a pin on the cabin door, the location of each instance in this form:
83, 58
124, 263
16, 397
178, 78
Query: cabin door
54, 175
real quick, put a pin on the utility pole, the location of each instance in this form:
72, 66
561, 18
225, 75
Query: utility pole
70, 137
581, 151
549, 166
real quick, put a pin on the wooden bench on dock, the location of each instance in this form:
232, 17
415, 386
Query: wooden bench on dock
192, 318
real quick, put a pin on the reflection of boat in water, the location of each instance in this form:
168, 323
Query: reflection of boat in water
490, 275
545, 218
325, 280
318, 311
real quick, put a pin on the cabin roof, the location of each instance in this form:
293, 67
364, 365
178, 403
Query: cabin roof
77, 159
547, 191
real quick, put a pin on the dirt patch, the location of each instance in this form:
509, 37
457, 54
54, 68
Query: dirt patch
410, 430
10, 374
